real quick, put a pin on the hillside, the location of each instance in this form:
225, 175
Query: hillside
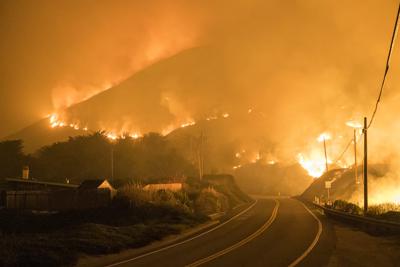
344, 186
273, 179
124, 108
40, 134
226, 185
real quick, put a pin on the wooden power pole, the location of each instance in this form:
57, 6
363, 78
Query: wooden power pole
355, 155
326, 156
365, 167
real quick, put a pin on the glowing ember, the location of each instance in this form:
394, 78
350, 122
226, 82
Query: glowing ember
211, 118
225, 115
237, 166
256, 158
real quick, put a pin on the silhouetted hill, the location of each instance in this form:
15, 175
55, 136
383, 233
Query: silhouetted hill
40, 134
273, 179
124, 107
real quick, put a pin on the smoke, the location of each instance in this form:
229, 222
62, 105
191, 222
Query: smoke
56, 54
302, 67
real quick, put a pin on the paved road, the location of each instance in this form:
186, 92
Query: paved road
270, 232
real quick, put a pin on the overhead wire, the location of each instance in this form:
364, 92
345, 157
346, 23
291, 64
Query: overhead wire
394, 34
347, 147
392, 42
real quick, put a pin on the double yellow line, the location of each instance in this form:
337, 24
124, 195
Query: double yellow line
242, 242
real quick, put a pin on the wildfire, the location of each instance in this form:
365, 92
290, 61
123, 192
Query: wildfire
211, 118
237, 167
56, 122
256, 158
135, 135
189, 123
111, 136
315, 167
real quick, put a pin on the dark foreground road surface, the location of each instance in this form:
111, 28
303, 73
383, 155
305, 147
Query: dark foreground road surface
270, 232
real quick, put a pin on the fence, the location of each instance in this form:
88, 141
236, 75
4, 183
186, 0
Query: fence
57, 200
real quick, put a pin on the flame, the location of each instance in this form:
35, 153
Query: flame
211, 118
186, 124
111, 136
315, 167
135, 135
236, 167
256, 158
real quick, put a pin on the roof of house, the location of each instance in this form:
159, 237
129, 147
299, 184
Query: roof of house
93, 184
30, 181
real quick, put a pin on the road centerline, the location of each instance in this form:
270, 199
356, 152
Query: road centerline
314, 242
186, 240
242, 242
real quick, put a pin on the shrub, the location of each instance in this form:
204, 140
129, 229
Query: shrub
345, 206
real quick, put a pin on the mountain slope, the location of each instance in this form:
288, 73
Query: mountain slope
147, 101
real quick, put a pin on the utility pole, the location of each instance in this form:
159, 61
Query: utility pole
200, 155
326, 157
355, 155
112, 162
365, 167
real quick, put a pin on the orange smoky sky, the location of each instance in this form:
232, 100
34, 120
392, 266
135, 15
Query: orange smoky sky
57, 53
307, 65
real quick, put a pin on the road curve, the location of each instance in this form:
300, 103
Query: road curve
272, 232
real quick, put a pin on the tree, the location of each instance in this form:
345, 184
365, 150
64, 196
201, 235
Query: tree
11, 159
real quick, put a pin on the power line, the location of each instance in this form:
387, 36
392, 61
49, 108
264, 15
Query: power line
344, 151
386, 68
347, 147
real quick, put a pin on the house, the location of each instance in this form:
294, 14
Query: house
169, 186
31, 184
97, 184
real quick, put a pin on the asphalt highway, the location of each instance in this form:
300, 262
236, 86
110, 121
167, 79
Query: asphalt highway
268, 232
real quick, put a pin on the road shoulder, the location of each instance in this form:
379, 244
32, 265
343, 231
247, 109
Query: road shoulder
104, 260
344, 245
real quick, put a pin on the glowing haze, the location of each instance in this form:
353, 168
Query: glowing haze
301, 68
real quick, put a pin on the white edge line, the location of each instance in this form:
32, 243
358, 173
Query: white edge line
184, 241
315, 241
242, 242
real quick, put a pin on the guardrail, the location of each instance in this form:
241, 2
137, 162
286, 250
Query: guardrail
367, 223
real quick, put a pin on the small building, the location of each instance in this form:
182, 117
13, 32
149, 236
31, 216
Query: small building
31, 184
169, 186
97, 184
